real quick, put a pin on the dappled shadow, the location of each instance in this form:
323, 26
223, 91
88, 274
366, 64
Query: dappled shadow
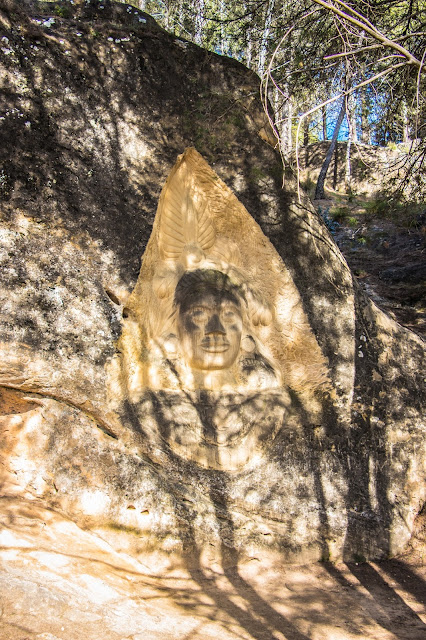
93, 116
250, 611
377, 395
238, 598
354, 602
65, 146
348, 445
77, 96
380, 591
263, 620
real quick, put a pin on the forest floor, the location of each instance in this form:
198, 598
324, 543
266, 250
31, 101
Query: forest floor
386, 251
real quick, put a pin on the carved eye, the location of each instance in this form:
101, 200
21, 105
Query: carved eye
230, 314
199, 314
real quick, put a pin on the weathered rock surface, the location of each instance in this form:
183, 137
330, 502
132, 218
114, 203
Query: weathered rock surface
94, 115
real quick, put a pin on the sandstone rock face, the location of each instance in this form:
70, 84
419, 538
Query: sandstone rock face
93, 119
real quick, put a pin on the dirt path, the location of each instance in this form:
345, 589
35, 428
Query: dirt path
387, 257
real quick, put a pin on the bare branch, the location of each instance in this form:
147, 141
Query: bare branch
356, 19
414, 34
353, 52
355, 13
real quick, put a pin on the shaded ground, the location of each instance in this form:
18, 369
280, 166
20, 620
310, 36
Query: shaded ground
387, 257
59, 582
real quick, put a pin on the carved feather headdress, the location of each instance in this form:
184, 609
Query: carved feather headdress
187, 239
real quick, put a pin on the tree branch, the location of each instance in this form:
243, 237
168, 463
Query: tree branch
358, 20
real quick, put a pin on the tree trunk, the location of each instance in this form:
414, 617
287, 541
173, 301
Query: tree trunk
265, 36
348, 176
222, 26
306, 140
365, 125
319, 191
289, 125
249, 49
352, 137
405, 125
279, 118
365, 129
199, 22
335, 167
324, 124
352, 121
306, 132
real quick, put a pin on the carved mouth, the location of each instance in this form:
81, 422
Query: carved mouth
215, 345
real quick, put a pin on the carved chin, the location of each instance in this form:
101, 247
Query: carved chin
212, 361
212, 358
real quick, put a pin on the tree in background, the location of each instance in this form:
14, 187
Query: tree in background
385, 50
315, 54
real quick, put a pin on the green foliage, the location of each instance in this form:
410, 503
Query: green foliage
257, 174
307, 42
62, 10
402, 212
309, 186
378, 208
340, 214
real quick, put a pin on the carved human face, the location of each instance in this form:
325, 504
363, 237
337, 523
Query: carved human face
209, 328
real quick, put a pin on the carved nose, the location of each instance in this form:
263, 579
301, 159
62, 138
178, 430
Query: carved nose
214, 325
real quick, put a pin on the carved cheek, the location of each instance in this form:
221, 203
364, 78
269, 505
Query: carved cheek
190, 326
235, 330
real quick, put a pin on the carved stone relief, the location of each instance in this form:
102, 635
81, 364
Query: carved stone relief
215, 327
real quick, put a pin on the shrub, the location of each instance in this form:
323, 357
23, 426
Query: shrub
380, 208
403, 213
340, 214
62, 11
